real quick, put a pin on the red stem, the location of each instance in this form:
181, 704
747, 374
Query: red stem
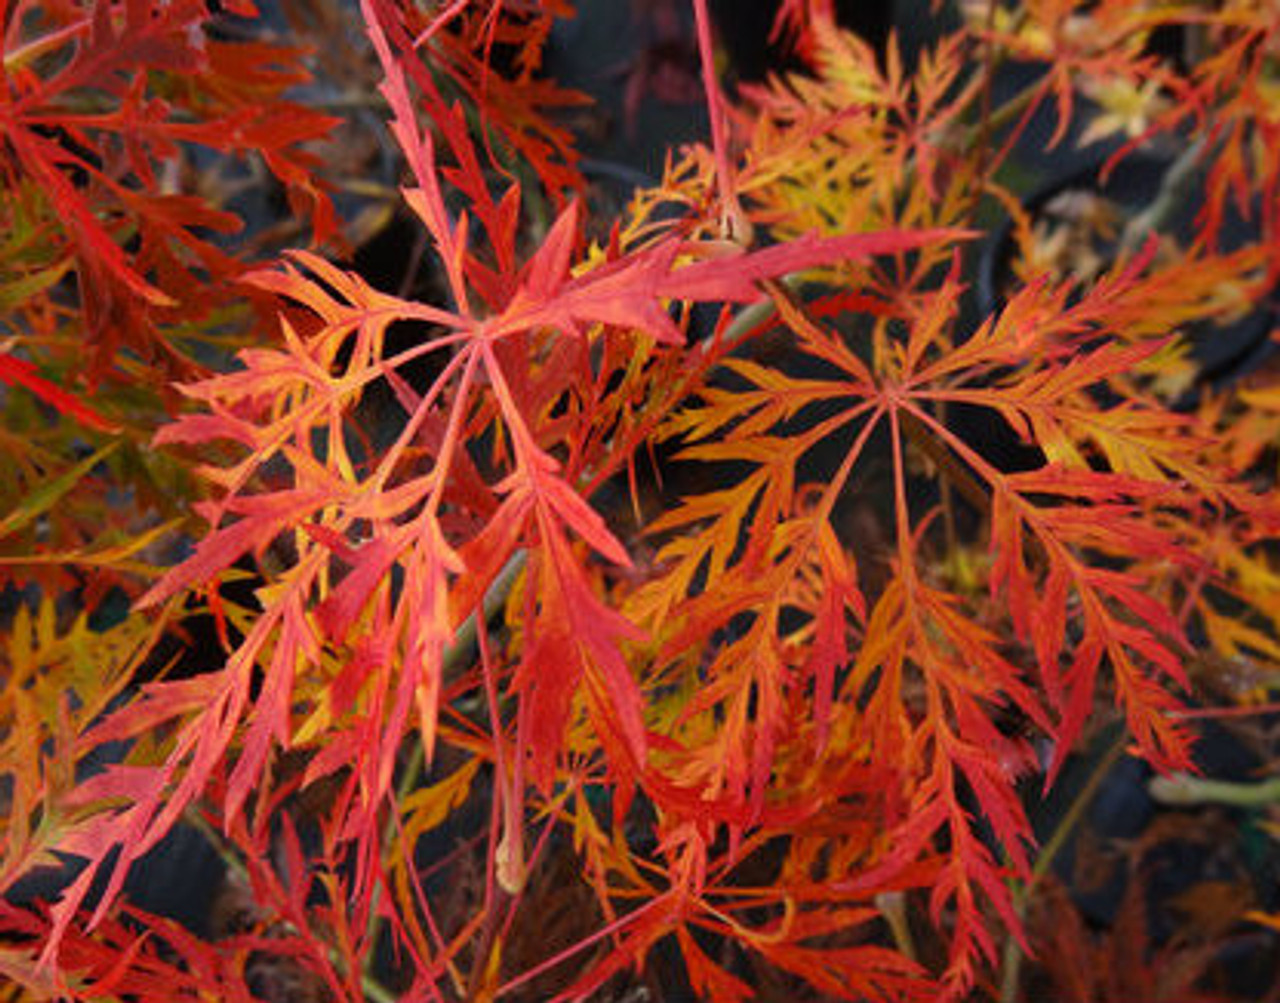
733, 223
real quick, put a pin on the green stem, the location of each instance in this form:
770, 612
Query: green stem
23, 55
893, 907
1173, 196
1011, 962
1184, 789
376, 991
373, 989
455, 658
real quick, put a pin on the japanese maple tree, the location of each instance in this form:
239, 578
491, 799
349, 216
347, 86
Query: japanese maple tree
683, 571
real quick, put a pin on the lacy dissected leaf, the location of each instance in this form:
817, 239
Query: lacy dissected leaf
58, 678
55, 529
820, 147
791, 921
520, 102
161, 961
1081, 562
98, 96
1109, 52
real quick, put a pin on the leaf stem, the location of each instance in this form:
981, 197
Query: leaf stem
734, 224
1011, 962
1184, 789
33, 50
1173, 195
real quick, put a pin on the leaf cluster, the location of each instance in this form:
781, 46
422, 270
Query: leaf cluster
735, 642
